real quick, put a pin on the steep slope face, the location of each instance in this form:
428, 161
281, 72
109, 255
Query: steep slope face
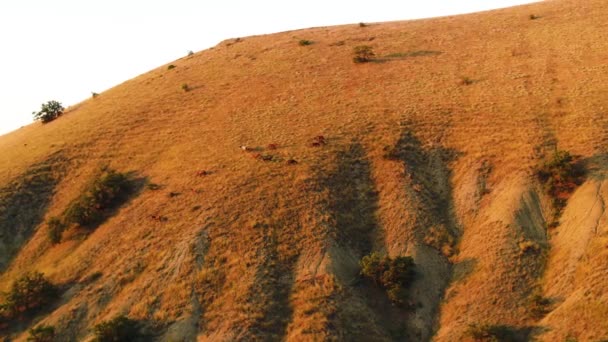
428, 151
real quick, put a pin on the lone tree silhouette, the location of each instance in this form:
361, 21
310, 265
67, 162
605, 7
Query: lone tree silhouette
49, 111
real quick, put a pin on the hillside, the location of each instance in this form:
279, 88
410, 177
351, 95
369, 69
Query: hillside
432, 150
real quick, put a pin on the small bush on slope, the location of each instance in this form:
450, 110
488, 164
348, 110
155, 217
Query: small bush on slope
363, 54
55, 229
118, 329
27, 295
107, 192
560, 175
496, 333
393, 275
42, 333
49, 112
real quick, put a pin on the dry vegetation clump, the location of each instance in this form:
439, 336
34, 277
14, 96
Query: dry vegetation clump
42, 333
55, 229
560, 175
318, 141
529, 247
539, 305
440, 238
465, 80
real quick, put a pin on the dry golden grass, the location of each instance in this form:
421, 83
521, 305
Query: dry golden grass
265, 250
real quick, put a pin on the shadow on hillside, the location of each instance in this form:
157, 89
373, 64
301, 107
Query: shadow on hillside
509, 333
274, 280
23, 203
596, 167
353, 204
353, 200
429, 175
397, 56
134, 188
428, 185
20, 322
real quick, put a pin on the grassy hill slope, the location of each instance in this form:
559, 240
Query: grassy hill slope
431, 151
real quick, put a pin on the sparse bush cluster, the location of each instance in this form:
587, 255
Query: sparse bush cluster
393, 275
440, 238
304, 42
560, 175
27, 295
49, 111
119, 329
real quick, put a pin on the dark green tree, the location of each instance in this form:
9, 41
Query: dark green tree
393, 275
49, 112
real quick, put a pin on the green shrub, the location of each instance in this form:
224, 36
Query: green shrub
55, 229
363, 54
94, 94
373, 266
107, 192
393, 275
42, 333
119, 329
185, 87
362, 24
304, 42
49, 111
29, 294
171, 66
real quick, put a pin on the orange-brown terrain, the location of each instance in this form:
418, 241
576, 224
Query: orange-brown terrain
430, 150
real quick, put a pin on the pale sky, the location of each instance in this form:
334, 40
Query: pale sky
65, 49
